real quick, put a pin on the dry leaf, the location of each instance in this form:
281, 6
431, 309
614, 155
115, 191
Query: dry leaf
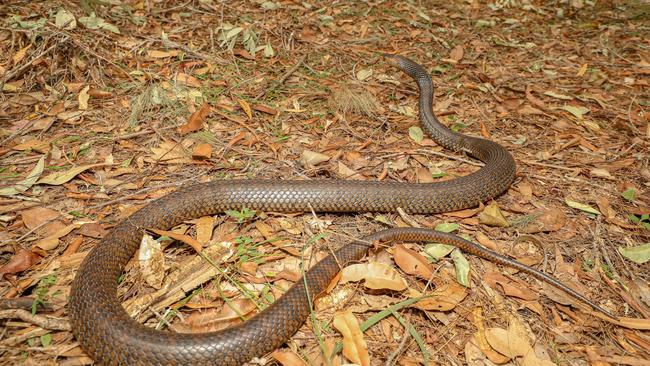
61, 177
355, 348
246, 107
309, 159
457, 53
19, 262
288, 358
26, 183
181, 237
170, 152
202, 151
444, 298
506, 343
376, 275
34, 217
549, 220
83, 98
412, 262
492, 216
52, 241
204, 226
152, 261
509, 287
216, 319
195, 122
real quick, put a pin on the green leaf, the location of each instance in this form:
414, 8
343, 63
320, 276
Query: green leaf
447, 227
416, 133
629, 194
25, 184
458, 126
639, 254
462, 267
46, 339
581, 206
437, 251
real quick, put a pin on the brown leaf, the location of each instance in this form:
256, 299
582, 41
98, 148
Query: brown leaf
215, 319
21, 261
93, 230
444, 298
550, 220
412, 262
492, 216
196, 120
246, 107
457, 53
355, 348
509, 287
204, 226
36, 216
181, 237
202, 151
376, 275
288, 358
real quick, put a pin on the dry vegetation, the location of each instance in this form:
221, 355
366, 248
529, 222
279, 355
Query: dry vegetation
102, 113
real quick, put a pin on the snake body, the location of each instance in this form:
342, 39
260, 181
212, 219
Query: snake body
111, 337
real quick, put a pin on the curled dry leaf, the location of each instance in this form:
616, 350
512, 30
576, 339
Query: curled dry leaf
216, 319
355, 348
20, 261
549, 220
509, 287
246, 107
288, 358
202, 151
492, 216
412, 262
195, 122
376, 275
152, 261
444, 298
309, 159
181, 237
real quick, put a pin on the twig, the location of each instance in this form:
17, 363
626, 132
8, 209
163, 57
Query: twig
393, 356
12, 74
283, 78
43, 321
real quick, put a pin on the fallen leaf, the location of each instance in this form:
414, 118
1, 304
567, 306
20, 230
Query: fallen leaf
549, 220
52, 241
162, 54
26, 183
444, 298
64, 176
510, 287
492, 216
462, 267
581, 206
233, 310
34, 217
288, 358
204, 226
376, 275
246, 107
202, 151
639, 254
170, 152
152, 261
437, 251
512, 342
355, 348
20, 55
416, 133
364, 74
19, 262
195, 122
187, 80
558, 95
457, 53
83, 98
578, 112
180, 237
412, 262
309, 159
66, 20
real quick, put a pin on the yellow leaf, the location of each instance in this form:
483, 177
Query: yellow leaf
376, 275
582, 71
355, 348
20, 55
246, 107
83, 98
492, 216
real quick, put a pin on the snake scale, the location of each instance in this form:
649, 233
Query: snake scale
111, 337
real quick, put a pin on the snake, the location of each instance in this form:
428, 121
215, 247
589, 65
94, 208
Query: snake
111, 337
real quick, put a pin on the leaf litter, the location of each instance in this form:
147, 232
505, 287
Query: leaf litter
92, 130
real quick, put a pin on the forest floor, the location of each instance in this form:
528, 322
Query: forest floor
107, 105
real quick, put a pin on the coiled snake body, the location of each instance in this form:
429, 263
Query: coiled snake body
111, 337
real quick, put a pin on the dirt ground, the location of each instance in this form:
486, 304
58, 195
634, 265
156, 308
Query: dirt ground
109, 104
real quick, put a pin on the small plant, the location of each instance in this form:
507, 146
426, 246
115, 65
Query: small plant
242, 215
230, 36
41, 291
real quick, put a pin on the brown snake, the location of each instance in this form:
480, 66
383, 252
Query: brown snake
111, 337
